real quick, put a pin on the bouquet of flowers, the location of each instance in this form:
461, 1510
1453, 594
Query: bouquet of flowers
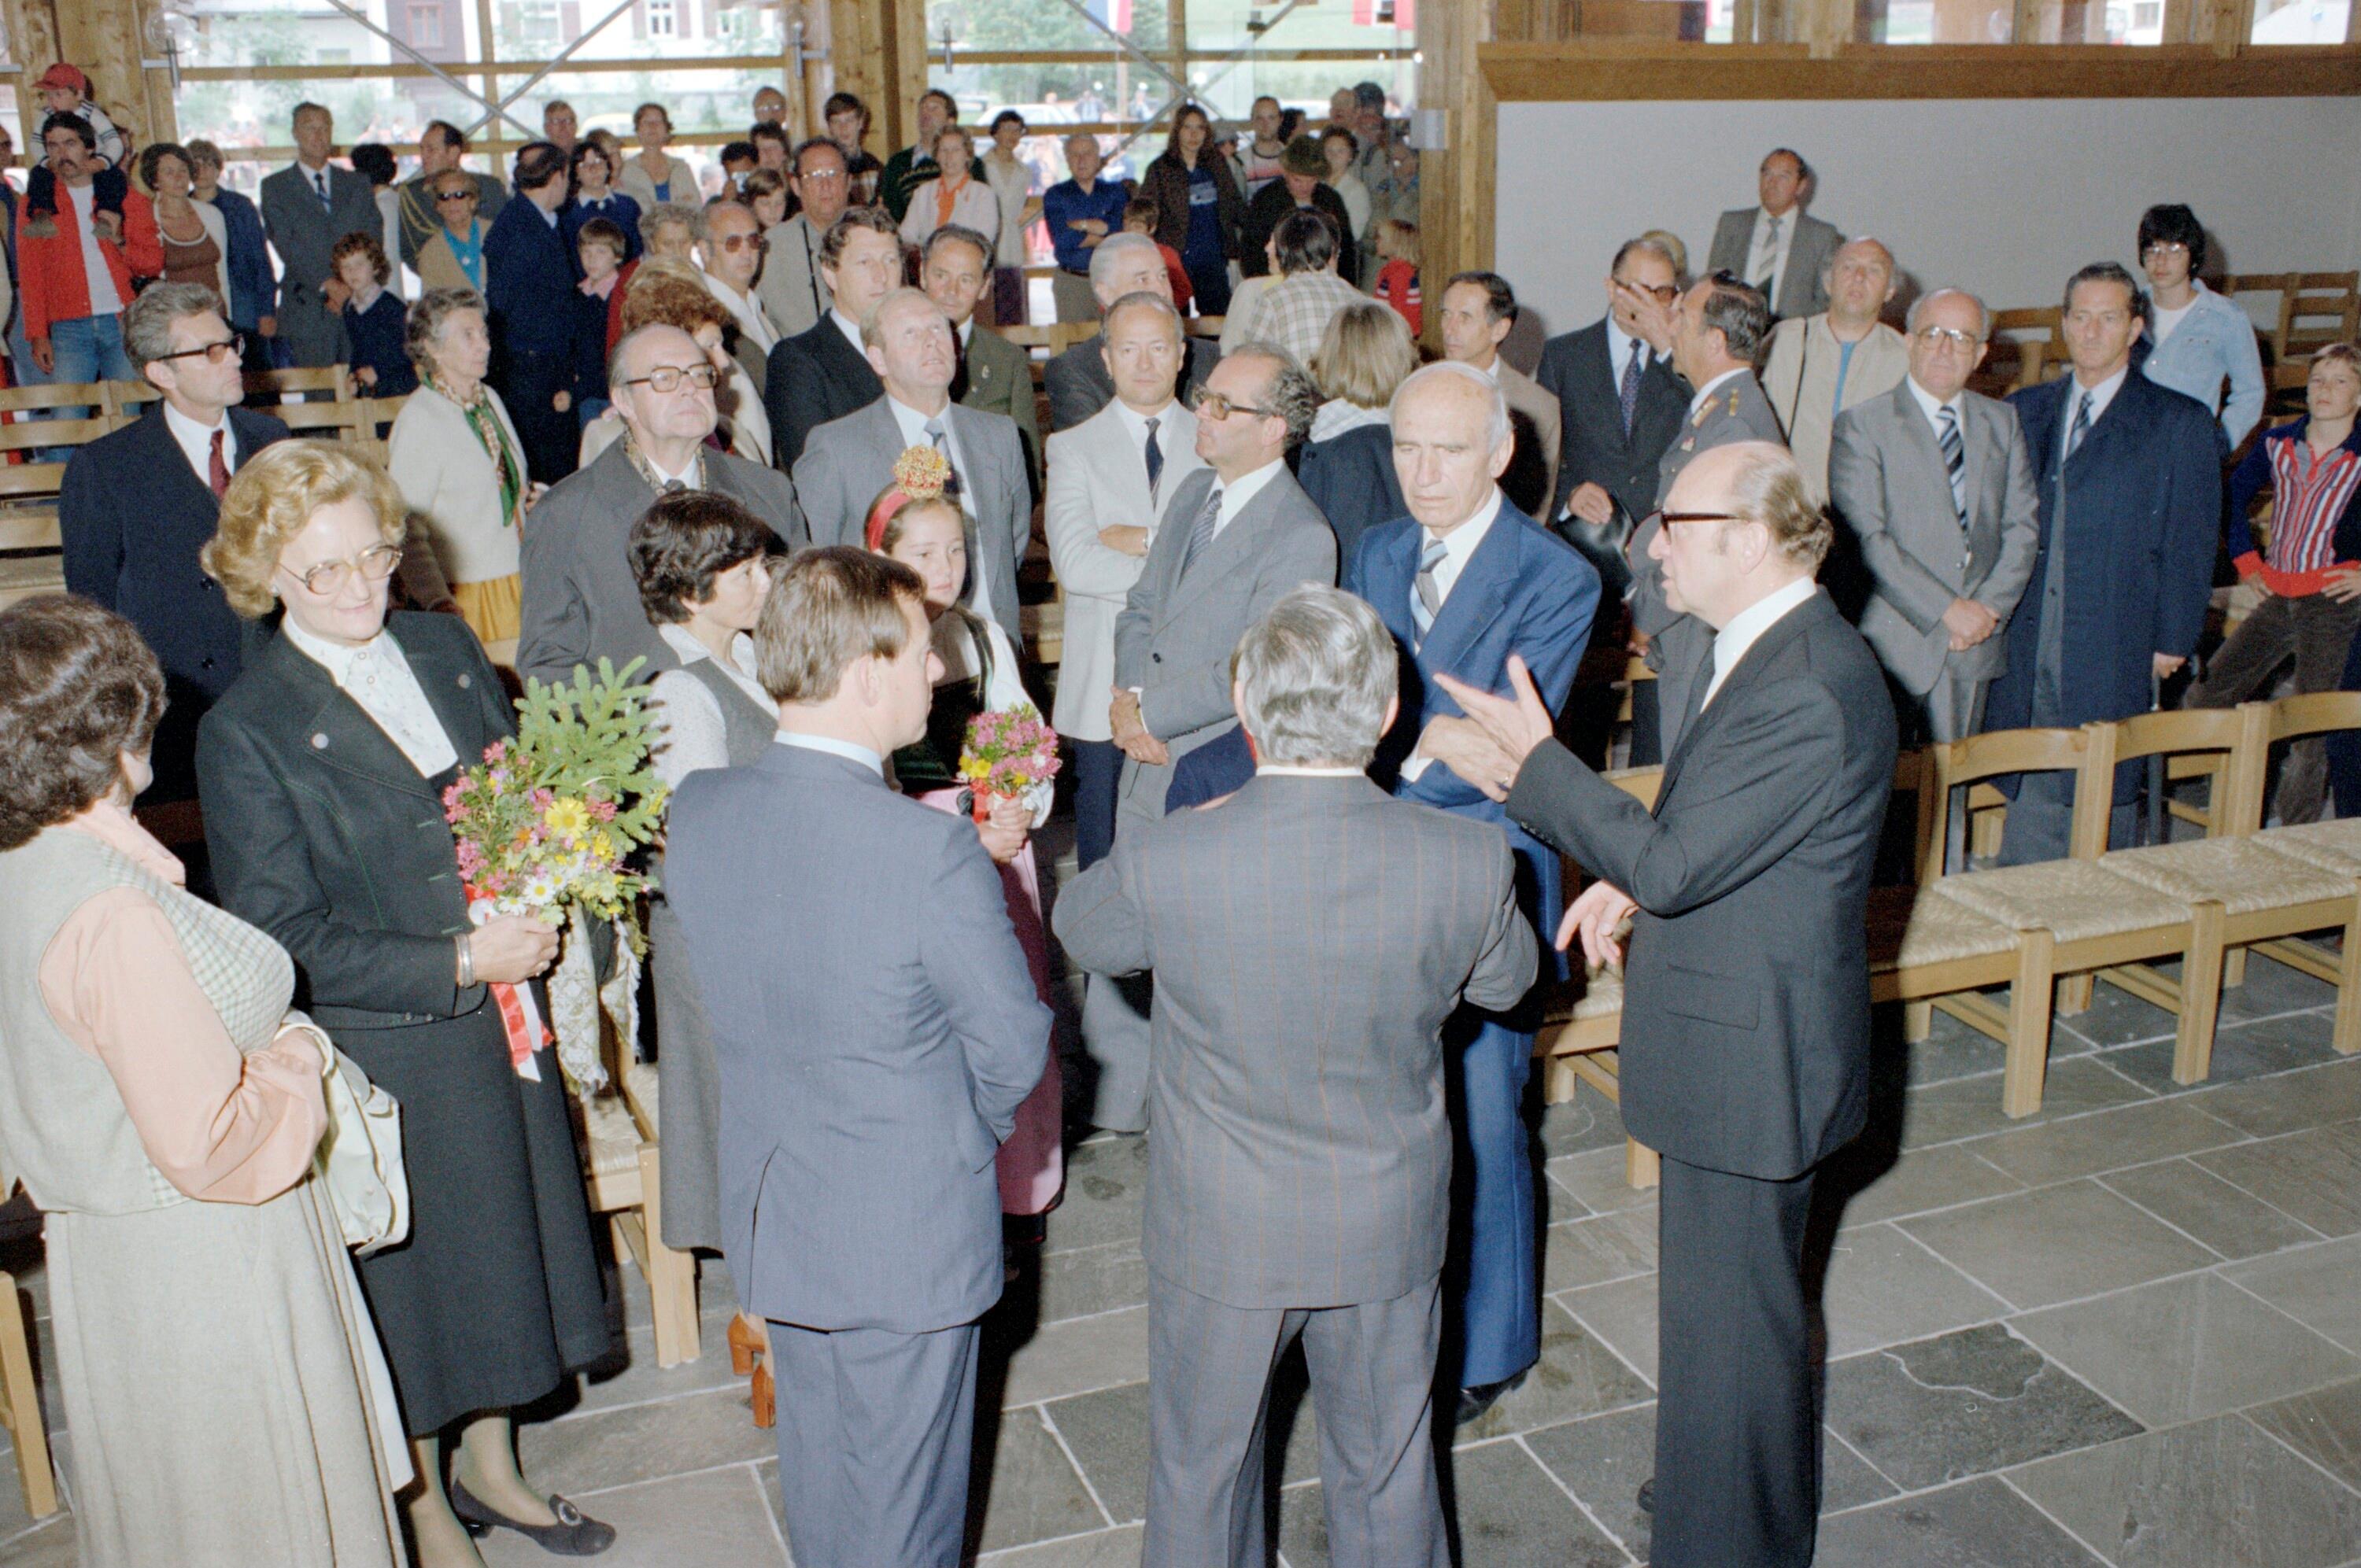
1007, 752
546, 824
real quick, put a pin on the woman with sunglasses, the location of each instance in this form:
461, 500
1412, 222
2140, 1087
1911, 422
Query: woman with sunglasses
453, 257
320, 773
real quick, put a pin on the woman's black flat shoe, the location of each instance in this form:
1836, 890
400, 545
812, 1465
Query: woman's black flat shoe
574, 1534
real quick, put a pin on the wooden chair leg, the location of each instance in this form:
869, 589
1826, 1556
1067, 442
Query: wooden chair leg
1560, 1085
2200, 994
2346, 1033
2028, 1023
22, 1411
1642, 1166
2074, 994
2233, 968
672, 1276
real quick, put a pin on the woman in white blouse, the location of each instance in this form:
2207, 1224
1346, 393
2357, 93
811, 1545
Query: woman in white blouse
1011, 179
652, 175
460, 465
953, 196
703, 565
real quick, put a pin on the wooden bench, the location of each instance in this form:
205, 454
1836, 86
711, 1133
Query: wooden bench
623, 1168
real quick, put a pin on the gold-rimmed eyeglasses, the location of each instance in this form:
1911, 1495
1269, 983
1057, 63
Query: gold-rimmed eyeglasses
666, 377
329, 578
1214, 405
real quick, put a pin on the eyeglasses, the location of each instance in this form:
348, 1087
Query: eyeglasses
666, 377
738, 242
821, 177
2164, 247
1663, 293
456, 196
229, 348
1213, 405
1947, 337
332, 577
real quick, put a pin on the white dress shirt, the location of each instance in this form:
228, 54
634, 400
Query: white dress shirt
196, 442
1235, 495
380, 679
1458, 547
752, 320
693, 734
1747, 627
83, 204
1704, 393
1621, 346
834, 748
1756, 271
1933, 410
851, 330
1135, 425
914, 433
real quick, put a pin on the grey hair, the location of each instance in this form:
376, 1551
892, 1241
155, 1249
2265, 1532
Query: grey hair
1496, 417
426, 318
1918, 308
1290, 394
1113, 249
148, 325
1315, 677
653, 221
617, 363
872, 325
1655, 247
957, 234
1143, 300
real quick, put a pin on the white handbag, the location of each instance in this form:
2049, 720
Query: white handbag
359, 1159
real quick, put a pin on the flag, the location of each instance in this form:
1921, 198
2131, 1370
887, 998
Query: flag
1114, 14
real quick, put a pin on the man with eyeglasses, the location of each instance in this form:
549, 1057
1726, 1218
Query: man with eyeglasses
793, 292
581, 600
2129, 474
1821, 366
1620, 407
1935, 483
729, 253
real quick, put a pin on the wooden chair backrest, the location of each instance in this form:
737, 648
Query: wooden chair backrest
31, 434
2088, 752
1065, 335
67, 395
264, 387
373, 417
18, 480
129, 400
2313, 713
1025, 337
2241, 733
33, 528
316, 418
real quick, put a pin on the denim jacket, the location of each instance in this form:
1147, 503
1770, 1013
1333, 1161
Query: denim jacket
2216, 341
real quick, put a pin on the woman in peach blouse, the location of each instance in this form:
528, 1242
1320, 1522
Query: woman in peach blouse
217, 1367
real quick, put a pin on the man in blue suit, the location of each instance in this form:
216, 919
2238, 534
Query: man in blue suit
2130, 506
1462, 582
529, 278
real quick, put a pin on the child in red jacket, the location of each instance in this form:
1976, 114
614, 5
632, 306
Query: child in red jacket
1139, 217
1398, 278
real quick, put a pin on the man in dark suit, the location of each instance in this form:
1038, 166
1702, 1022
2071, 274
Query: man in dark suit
2130, 508
306, 208
1746, 1000
1298, 1184
581, 602
1778, 246
1462, 583
1620, 405
1077, 381
995, 376
530, 273
875, 1035
136, 506
824, 374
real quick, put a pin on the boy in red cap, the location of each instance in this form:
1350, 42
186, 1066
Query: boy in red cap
65, 90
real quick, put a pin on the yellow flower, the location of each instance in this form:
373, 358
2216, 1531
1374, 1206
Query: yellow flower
602, 846
567, 817
974, 768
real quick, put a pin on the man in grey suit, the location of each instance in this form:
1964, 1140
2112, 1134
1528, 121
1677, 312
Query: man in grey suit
306, 208
1235, 538
848, 462
581, 602
1938, 489
1299, 1181
875, 1035
1713, 337
1746, 1035
1778, 246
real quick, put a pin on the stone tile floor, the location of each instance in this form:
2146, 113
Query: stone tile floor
2126, 1331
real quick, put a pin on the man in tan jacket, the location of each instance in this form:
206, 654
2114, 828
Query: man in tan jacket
1821, 366
1478, 309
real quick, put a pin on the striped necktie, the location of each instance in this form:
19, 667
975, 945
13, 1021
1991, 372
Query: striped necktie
1200, 532
1769, 254
1426, 602
320, 184
1955, 459
2082, 425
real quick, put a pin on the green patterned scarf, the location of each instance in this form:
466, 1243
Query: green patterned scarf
485, 423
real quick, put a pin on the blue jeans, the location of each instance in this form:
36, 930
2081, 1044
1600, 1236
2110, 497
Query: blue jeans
88, 348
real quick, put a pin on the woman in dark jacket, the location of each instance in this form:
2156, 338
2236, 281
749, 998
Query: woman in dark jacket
1198, 207
320, 773
1347, 467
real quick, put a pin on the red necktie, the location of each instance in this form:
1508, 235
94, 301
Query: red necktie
217, 471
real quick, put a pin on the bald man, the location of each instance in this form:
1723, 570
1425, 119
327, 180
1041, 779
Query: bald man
1821, 366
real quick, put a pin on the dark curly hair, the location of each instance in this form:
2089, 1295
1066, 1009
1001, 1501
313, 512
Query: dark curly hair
684, 542
78, 687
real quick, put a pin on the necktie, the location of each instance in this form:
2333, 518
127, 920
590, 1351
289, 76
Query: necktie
2082, 426
217, 470
320, 183
674, 487
1200, 532
1426, 602
934, 434
1955, 459
1770, 254
1627, 394
1155, 455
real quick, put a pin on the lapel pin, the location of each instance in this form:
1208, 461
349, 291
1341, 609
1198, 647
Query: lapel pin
465, 681
319, 742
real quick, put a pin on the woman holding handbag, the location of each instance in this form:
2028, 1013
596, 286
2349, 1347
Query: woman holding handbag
163, 1108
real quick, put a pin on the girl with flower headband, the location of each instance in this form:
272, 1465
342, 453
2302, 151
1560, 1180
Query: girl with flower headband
918, 521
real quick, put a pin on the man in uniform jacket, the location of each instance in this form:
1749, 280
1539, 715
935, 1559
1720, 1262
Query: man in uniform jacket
1235, 538
1462, 582
307, 207
581, 600
1947, 549
875, 1035
440, 146
1620, 405
1715, 335
824, 374
1298, 1183
1077, 381
1746, 997
2131, 507
1778, 246
994, 374
529, 274
848, 462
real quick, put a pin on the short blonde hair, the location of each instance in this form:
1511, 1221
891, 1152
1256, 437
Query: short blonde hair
829, 609
270, 500
1363, 355
1398, 240
672, 293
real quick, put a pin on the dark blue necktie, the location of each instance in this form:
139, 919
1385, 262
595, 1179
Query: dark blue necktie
1627, 394
1155, 455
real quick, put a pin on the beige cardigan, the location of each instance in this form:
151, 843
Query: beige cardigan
641, 186
1804, 347
448, 482
438, 265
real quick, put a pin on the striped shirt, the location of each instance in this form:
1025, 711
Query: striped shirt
2310, 493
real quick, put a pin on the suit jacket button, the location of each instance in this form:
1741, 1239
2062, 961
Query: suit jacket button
466, 681
204, 663
1156, 658
206, 585
319, 742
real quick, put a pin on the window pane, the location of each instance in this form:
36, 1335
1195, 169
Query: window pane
1228, 24
666, 30
248, 114
2301, 21
1229, 88
1114, 89
2098, 22
1935, 21
1012, 25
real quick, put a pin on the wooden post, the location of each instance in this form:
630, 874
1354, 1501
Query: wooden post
1455, 180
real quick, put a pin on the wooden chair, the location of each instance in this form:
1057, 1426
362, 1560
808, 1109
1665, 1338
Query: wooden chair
44, 399
24, 575
2032, 340
1065, 335
1026, 337
2317, 308
127, 401
20, 1406
624, 1170
265, 388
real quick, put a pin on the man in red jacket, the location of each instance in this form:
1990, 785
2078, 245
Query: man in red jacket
75, 269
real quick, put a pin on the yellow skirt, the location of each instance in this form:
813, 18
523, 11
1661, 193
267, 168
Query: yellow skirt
493, 608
